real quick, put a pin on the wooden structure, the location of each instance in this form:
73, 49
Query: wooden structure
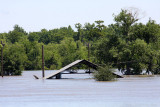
58, 73
43, 61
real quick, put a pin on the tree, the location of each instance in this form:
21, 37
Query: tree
70, 51
139, 49
34, 56
88, 32
149, 32
79, 35
15, 58
100, 26
19, 29
125, 19
152, 32
33, 36
16, 35
94, 32
45, 37
67, 50
52, 57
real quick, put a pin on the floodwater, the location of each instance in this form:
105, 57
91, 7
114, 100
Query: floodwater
78, 91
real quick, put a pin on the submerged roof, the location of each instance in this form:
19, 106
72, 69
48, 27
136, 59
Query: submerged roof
94, 66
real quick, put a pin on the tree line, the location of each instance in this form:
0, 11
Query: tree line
127, 44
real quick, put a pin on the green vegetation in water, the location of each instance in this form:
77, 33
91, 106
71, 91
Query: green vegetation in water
104, 74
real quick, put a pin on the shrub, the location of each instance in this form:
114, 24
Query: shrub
104, 74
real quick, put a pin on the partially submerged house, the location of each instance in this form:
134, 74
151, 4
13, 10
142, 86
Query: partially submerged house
58, 73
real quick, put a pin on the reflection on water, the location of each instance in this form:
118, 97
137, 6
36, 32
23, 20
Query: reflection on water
78, 91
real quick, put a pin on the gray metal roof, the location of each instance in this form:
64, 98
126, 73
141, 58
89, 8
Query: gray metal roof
63, 69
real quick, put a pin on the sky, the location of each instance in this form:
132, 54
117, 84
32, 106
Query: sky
34, 15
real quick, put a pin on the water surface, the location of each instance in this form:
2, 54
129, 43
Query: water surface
78, 91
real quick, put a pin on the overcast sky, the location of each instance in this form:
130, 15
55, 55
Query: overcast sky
34, 15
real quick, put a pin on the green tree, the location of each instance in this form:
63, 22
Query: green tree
16, 35
33, 36
52, 57
79, 35
125, 19
15, 58
93, 32
152, 32
19, 29
67, 50
34, 56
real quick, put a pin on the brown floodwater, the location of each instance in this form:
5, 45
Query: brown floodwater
78, 91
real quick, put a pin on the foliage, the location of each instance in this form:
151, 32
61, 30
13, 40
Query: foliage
104, 74
125, 19
15, 58
128, 45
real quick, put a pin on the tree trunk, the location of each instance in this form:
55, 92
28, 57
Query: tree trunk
128, 70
